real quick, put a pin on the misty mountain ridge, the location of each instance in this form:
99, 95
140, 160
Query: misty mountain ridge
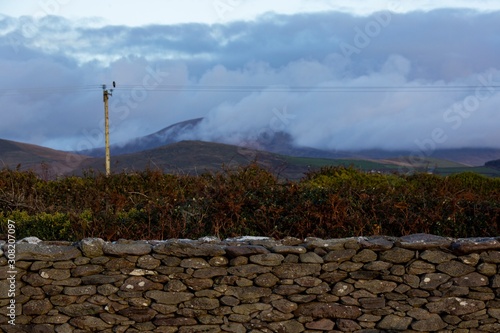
282, 143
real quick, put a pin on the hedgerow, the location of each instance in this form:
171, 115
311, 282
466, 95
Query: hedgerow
329, 203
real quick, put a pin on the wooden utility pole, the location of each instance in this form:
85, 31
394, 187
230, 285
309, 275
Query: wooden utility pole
106, 95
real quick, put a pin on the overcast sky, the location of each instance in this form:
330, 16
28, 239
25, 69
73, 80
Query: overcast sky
332, 74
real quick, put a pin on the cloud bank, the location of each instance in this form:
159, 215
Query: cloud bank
310, 75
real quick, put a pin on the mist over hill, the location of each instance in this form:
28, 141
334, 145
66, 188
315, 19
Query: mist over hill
280, 142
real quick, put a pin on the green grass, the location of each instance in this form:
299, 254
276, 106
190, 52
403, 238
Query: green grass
321, 162
429, 164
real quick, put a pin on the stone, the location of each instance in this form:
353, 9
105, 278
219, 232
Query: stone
377, 266
349, 266
91, 247
423, 242
83, 309
365, 256
234, 328
45, 252
284, 305
180, 321
218, 261
199, 284
372, 303
169, 297
339, 255
101, 279
348, 325
487, 269
432, 324
195, 263
307, 281
492, 257
274, 316
321, 325
455, 306
342, 289
395, 323
118, 264
148, 262
189, 249
419, 313
397, 255
86, 270
287, 290
70, 282
437, 256
138, 314
327, 310
139, 283
411, 280
37, 307
134, 249
284, 249
292, 271
469, 245
163, 308
202, 303
320, 289
245, 250
62, 300
421, 267
432, 281
376, 243
472, 280
209, 272
80, 290
267, 259
266, 280
89, 323
209, 319
248, 293
51, 290
290, 326
113, 318
310, 258
248, 271
470, 259
247, 309
495, 281
229, 300
454, 268
313, 243
376, 286
333, 277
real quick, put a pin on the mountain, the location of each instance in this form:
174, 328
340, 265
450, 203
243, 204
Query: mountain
196, 157
163, 137
493, 164
282, 143
23, 156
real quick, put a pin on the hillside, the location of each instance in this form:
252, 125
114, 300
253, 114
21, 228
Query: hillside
23, 156
283, 144
195, 157
493, 164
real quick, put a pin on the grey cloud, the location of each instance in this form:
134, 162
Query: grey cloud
443, 47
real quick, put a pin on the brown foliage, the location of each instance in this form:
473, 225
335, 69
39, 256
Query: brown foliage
332, 202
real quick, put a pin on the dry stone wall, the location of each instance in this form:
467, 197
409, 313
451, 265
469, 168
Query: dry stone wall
416, 283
